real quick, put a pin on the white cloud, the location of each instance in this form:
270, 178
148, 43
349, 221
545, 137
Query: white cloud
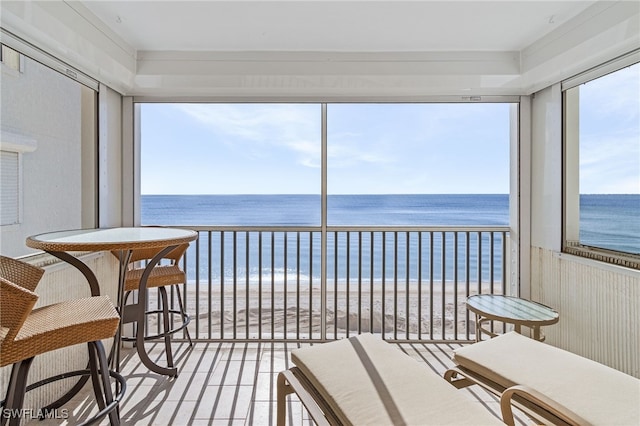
610, 166
259, 127
354, 152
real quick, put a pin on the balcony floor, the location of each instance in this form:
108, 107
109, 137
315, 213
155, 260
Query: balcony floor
230, 384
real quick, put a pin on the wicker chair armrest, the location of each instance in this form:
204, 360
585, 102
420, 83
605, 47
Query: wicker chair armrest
15, 305
544, 402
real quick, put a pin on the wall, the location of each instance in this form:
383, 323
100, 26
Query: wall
57, 116
43, 106
599, 307
599, 304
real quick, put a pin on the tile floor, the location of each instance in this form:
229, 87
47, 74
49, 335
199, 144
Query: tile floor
228, 384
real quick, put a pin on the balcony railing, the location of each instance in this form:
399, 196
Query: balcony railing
291, 284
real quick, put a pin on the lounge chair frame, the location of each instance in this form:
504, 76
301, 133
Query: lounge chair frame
293, 381
528, 400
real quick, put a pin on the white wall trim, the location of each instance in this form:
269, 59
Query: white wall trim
110, 159
606, 30
522, 207
67, 31
16, 142
129, 161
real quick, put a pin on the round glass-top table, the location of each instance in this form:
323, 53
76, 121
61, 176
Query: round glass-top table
109, 239
122, 242
510, 310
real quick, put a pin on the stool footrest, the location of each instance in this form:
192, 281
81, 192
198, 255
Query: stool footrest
186, 319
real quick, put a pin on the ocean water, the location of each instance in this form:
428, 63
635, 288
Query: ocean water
611, 221
301, 210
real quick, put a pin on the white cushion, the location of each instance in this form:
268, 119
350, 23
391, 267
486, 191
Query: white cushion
367, 381
599, 394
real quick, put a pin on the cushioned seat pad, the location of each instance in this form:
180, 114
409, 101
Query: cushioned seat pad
599, 394
367, 381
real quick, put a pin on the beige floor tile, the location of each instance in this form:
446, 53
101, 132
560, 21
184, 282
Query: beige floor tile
225, 402
264, 413
233, 373
266, 387
274, 361
175, 413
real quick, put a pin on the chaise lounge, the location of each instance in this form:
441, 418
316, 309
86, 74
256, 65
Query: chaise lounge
364, 380
548, 382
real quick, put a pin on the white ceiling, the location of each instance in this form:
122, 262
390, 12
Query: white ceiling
334, 26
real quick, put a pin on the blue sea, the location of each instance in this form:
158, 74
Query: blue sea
610, 221
303, 210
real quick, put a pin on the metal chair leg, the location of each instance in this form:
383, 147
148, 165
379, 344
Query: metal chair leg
15, 392
166, 325
114, 415
95, 376
184, 315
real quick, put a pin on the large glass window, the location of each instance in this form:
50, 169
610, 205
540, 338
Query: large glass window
387, 164
230, 164
602, 146
418, 164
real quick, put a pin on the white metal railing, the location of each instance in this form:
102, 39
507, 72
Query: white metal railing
292, 283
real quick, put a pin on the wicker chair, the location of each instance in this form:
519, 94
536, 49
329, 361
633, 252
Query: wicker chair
28, 332
162, 276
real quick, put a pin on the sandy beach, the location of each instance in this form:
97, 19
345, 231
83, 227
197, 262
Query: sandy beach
406, 312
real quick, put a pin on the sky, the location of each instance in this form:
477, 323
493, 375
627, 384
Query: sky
610, 133
462, 148
371, 148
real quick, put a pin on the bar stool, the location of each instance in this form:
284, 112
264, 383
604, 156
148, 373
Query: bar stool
26, 332
161, 277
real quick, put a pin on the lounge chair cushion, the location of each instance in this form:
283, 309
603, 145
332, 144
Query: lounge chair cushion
367, 381
599, 394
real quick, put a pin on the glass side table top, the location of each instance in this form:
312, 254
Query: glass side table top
512, 309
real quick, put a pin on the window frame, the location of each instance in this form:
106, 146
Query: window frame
571, 162
516, 134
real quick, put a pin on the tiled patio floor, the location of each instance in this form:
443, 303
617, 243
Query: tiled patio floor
229, 384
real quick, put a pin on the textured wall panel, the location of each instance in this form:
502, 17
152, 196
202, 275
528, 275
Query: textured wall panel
599, 307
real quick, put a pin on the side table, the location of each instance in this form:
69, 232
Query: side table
510, 310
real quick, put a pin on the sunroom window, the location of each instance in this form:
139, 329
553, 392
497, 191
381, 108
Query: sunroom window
602, 165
